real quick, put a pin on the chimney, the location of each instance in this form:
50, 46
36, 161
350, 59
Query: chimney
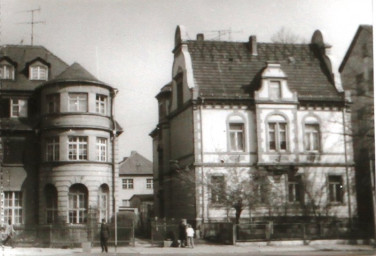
253, 45
200, 37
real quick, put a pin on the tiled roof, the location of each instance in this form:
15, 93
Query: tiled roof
228, 69
135, 164
369, 30
22, 55
74, 73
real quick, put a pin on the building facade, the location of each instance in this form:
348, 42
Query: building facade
58, 138
136, 178
266, 113
357, 77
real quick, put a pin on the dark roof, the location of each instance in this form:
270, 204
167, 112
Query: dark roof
22, 56
143, 197
75, 73
228, 69
135, 164
368, 29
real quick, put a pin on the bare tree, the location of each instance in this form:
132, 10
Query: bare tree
286, 36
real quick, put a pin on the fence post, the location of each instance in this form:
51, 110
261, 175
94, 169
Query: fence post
133, 238
234, 237
304, 233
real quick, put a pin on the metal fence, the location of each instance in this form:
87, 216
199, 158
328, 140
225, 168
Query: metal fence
262, 231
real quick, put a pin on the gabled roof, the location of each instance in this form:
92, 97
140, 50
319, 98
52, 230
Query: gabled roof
368, 29
22, 55
135, 164
229, 70
75, 73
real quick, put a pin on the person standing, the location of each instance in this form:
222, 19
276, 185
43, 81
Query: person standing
9, 232
183, 233
190, 234
104, 235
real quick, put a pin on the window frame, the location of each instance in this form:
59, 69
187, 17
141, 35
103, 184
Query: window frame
275, 90
52, 144
335, 189
13, 211
6, 68
51, 212
76, 149
101, 104
294, 182
75, 102
309, 140
35, 72
217, 189
149, 183
101, 145
236, 144
127, 183
77, 213
103, 203
22, 109
277, 136
53, 103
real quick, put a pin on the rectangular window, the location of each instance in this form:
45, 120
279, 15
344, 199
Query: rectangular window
102, 149
13, 207
77, 148
127, 183
125, 203
18, 108
312, 137
275, 90
77, 209
149, 183
277, 138
38, 72
335, 189
52, 149
236, 133
101, 104
53, 103
6, 72
294, 189
77, 102
217, 189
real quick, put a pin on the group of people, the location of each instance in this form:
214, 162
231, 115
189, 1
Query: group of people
186, 234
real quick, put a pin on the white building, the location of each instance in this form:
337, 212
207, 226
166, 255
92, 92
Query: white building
253, 108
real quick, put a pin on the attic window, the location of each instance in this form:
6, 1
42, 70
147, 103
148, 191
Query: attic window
38, 72
6, 71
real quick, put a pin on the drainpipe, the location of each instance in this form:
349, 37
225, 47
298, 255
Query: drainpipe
114, 92
346, 162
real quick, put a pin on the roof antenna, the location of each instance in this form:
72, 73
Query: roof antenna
32, 23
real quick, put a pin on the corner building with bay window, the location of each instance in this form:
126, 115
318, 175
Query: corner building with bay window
58, 141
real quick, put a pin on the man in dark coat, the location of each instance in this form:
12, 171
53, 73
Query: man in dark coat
183, 233
105, 234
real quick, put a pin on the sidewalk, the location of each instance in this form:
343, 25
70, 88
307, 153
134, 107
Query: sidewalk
255, 248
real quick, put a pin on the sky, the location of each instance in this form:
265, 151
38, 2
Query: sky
128, 43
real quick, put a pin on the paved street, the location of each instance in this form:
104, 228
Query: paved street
316, 248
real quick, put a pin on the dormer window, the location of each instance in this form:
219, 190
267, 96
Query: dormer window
38, 72
6, 71
275, 90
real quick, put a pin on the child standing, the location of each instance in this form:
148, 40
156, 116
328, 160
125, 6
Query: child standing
190, 234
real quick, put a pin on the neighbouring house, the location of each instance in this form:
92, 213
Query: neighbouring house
269, 114
136, 178
357, 76
58, 138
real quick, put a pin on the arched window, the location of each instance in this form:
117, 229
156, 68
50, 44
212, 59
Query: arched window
277, 133
50, 194
78, 201
236, 134
311, 135
103, 202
